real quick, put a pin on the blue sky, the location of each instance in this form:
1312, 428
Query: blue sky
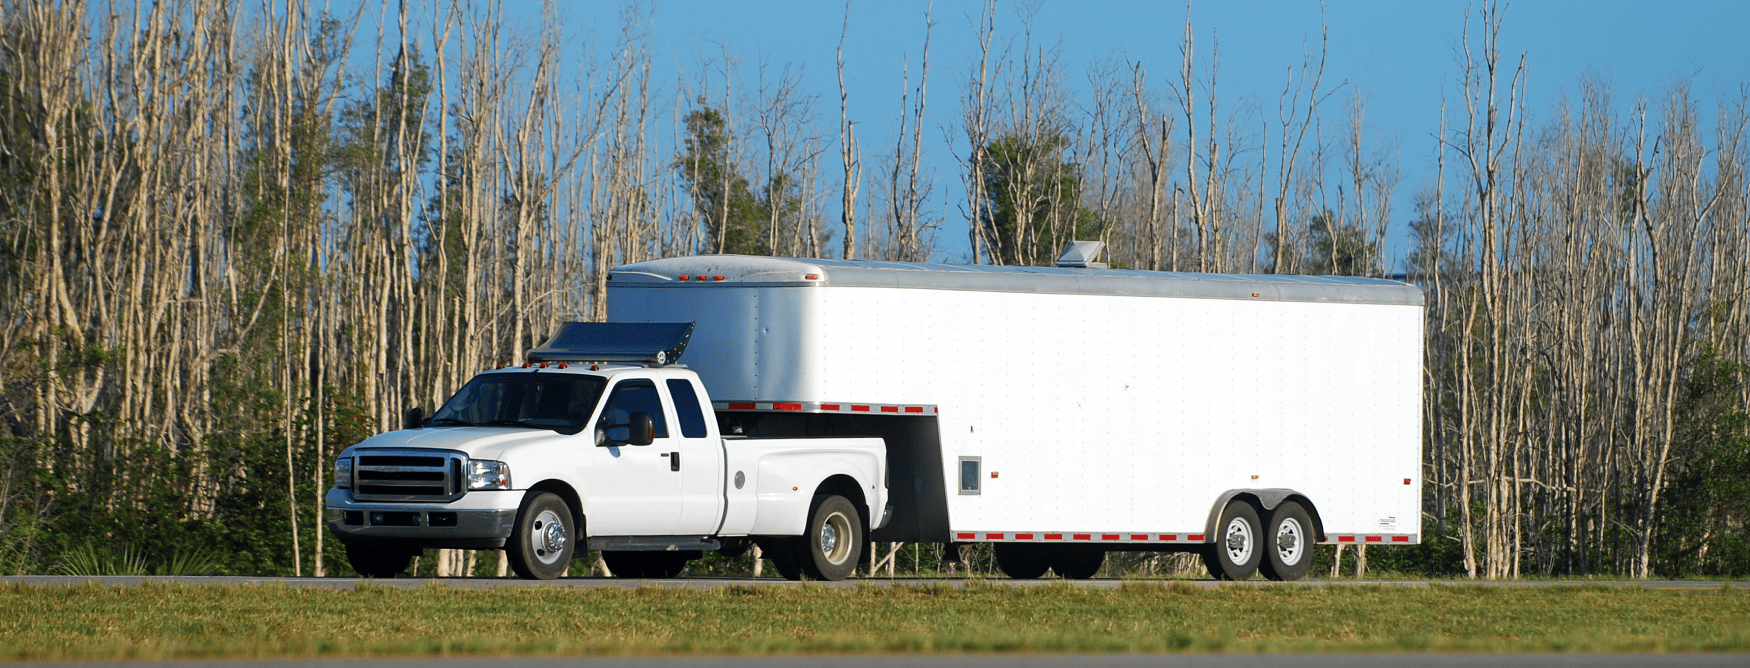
1401, 55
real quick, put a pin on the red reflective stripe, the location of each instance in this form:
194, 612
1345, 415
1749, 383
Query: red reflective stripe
1195, 537
890, 409
1170, 536
787, 407
1400, 539
935, 410
1053, 536
914, 409
1083, 536
1345, 539
1139, 536
993, 536
740, 406
829, 407
1108, 536
1023, 536
965, 535
859, 409
1373, 539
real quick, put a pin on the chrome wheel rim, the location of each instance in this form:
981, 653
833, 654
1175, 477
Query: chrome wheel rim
1238, 541
834, 538
548, 537
1290, 541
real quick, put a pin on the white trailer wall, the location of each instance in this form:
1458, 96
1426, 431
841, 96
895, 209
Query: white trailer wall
1091, 413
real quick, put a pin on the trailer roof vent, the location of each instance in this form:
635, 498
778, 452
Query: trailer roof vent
652, 343
1081, 254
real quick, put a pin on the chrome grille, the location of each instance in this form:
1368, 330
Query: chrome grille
408, 475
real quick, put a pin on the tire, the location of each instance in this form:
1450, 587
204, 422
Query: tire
1288, 542
1078, 562
378, 562
661, 565
781, 551
833, 542
1237, 548
541, 546
1021, 561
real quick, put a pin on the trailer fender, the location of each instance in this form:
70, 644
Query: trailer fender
1266, 500
789, 481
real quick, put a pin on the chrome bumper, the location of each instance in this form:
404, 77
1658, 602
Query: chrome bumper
477, 520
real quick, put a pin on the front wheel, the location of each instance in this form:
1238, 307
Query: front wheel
378, 562
1237, 548
1287, 543
833, 541
541, 546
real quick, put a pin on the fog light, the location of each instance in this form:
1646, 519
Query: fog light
376, 518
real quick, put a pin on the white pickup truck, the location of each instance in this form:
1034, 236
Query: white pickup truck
600, 440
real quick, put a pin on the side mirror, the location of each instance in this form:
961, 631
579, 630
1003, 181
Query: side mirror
414, 418
643, 430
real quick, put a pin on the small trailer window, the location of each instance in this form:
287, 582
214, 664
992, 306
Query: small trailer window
969, 475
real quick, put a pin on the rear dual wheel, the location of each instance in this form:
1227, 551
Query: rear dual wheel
1236, 551
1287, 543
828, 549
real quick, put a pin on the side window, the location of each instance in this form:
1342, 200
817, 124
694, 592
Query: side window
636, 396
686, 407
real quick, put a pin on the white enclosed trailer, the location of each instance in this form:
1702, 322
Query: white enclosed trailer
1061, 413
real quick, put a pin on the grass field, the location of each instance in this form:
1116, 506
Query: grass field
193, 621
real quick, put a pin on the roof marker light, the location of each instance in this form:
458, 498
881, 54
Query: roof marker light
543, 365
701, 278
562, 365
685, 277
500, 366
595, 367
718, 277
811, 277
525, 365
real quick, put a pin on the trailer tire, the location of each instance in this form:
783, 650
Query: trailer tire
1078, 562
1237, 548
1287, 543
1021, 561
659, 565
833, 543
378, 562
540, 548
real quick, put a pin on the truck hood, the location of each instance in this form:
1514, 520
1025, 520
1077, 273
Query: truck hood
476, 442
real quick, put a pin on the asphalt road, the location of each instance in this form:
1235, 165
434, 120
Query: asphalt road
994, 661
709, 583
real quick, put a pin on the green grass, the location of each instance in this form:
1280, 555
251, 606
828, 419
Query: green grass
191, 621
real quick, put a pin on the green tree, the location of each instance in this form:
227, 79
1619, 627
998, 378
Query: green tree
1704, 526
1032, 200
734, 217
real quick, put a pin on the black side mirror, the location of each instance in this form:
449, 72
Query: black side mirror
414, 418
643, 429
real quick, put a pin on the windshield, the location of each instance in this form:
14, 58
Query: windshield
557, 401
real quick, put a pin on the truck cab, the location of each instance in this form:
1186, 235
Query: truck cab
554, 455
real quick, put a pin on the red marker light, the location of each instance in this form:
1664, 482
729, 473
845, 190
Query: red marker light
718, 277
500, 366
811, 277
525, 365
562, 365
685, 277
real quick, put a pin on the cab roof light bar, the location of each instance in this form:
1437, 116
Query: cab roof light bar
648, 343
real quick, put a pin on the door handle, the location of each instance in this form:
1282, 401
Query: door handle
674, 460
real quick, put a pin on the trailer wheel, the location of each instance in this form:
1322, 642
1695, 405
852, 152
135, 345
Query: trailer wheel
378, 562
1078, 562
1237, 548
834, 540
1287, 543
1021, 561
541, 546
662, 565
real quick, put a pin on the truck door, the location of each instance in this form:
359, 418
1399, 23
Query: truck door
635, 490
701, 461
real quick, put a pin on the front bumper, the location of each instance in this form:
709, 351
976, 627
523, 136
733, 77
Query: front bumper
478, 520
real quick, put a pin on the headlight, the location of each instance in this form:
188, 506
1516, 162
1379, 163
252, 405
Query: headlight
487, 474
343, 473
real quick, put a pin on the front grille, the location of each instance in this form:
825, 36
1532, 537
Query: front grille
399, 475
